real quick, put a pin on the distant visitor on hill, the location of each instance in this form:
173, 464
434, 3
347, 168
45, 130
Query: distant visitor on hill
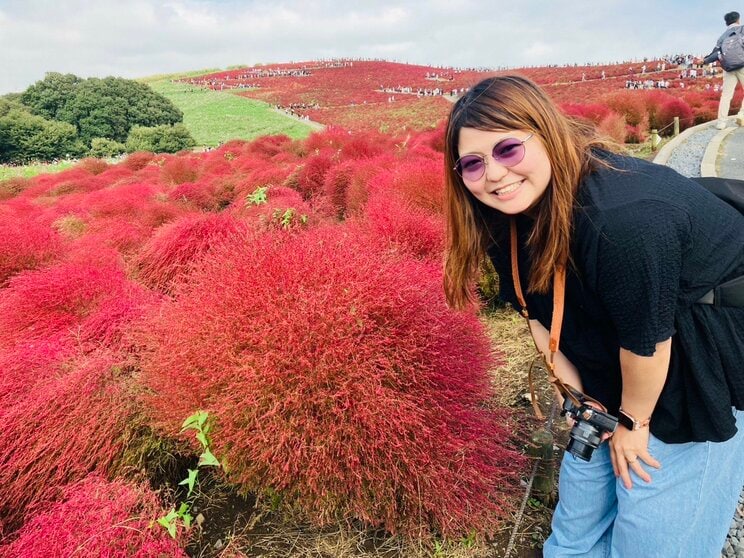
628, 271
729, 52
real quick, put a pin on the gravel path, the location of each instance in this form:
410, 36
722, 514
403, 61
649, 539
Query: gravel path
687, 157
686, 160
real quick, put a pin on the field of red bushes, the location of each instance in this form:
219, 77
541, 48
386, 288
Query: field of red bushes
397, 98
291, 289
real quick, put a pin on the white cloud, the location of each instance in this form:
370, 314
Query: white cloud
143, 37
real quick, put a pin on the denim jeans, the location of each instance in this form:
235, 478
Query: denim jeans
684, 512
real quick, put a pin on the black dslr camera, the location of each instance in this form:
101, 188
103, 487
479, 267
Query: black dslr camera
589, 425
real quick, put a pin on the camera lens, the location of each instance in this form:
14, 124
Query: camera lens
579, 449
584, 440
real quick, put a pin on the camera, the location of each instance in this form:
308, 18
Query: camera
589, 425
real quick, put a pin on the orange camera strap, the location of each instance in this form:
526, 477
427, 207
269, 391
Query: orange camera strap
559, 290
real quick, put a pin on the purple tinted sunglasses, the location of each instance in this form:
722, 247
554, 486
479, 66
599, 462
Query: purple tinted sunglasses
508, 152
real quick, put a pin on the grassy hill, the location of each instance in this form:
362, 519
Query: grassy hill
214, 117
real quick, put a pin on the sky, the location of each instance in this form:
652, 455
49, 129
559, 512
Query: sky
138, 38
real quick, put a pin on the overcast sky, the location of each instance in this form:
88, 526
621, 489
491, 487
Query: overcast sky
143, 37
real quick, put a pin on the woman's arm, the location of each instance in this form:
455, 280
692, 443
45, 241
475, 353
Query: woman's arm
643, 380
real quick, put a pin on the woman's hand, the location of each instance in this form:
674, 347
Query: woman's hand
627, 450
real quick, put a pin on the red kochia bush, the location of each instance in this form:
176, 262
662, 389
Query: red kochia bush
75, 418
337, 375
675, 107
96, 518
176, 246
406, 225
25, 243
309, 177
88, 301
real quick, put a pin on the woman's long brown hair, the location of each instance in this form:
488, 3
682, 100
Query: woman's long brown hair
514, 103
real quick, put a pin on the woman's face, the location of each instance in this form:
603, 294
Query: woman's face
513, 189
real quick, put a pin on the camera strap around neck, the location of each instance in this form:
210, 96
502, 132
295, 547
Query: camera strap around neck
559, 290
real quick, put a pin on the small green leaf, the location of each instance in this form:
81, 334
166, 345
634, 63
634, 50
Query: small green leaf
190, 481
206, 459
203, 439
182, 509
169, 522
187, 520
195, 421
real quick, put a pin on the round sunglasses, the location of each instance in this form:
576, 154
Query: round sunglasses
507, 152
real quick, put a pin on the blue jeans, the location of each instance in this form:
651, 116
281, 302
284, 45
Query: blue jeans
685, 512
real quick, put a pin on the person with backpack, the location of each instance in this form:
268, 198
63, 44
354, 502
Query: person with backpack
729, 52
627, 273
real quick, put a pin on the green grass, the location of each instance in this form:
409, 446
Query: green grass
27, 171
214, 117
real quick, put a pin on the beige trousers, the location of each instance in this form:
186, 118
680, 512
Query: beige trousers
727, 93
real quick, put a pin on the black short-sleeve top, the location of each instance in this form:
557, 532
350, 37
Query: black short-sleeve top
647, 244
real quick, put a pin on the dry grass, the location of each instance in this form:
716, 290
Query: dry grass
511, 339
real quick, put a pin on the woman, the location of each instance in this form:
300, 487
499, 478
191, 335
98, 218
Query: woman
640, 245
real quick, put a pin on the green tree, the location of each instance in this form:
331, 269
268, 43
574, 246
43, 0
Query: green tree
7, 104
159, 139
99, 108
47, 97
103, 147
26, 137
110, 107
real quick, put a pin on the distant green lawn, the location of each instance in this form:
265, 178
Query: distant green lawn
27, 171
214, 117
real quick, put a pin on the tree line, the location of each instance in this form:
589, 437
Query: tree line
64, 115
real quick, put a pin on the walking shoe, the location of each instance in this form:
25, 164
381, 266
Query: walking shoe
720, 125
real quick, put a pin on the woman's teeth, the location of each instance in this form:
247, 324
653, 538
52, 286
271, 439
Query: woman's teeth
509, 189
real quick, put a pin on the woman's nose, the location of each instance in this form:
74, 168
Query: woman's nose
495, 171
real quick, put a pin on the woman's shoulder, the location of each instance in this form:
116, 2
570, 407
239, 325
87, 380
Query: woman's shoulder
628, 188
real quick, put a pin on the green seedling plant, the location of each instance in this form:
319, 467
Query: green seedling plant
258, 196
199, 423
288, 218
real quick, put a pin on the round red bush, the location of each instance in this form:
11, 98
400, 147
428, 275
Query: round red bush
138, 160
337, 375
75, 419
96, 518
175, 247
309, 178
630, 104
405, 225
89, 301
25, 243
675, 107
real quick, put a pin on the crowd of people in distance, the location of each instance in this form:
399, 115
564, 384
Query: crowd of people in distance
647, 84
434, 76
679, 59
293, 109
420, 91
281, 72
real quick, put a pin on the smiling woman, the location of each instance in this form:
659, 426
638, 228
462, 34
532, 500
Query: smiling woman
621, 253
515, 178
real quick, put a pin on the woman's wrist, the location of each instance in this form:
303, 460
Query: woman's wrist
631, 421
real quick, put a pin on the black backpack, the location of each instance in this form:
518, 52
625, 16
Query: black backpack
729, 190
730, 293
